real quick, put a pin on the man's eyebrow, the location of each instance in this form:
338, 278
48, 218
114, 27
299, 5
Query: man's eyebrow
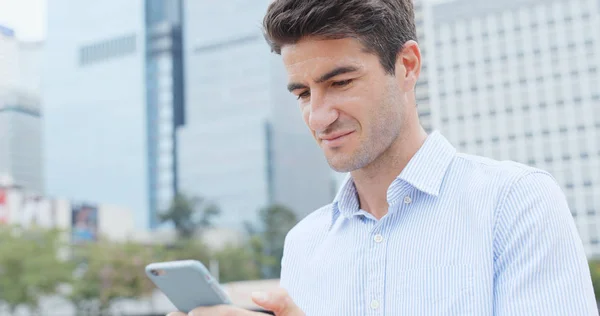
296, 86
335, 72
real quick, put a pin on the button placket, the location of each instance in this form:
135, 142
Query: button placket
376, 272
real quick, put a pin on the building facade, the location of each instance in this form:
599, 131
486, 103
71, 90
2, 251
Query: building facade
244, 145
113, 99
519, 80
20, 113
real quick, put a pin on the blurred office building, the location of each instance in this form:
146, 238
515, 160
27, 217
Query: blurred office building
113, 98
244, 145
519, 80
20, 114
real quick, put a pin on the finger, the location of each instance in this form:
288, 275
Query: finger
277, 301
176, 314
221, 310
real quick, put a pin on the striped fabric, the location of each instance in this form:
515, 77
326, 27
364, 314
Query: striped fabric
464, 235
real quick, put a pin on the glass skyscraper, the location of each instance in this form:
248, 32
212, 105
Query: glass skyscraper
113, 98
244, 145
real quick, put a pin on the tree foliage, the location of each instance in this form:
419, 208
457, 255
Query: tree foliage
103, 272
110, 271
30, 266
267, 240
190, 215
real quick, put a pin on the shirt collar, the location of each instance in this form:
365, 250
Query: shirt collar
427, 168
425, 172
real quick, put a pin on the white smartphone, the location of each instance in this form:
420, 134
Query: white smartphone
187, 284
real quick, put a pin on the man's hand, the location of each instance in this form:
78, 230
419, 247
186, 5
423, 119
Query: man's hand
279, 302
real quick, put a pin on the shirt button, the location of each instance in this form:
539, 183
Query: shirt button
374, 304
407, 199
378, 238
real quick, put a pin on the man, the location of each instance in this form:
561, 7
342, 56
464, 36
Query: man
417, 229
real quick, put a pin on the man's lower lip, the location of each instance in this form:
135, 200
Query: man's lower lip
336, 141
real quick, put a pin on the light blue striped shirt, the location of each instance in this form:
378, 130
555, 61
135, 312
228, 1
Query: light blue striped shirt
464, 235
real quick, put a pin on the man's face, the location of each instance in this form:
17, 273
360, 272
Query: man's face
353, 108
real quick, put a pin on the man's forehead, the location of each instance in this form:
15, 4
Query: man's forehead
316, 66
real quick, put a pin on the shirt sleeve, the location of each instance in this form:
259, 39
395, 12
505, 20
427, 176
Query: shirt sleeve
540, 264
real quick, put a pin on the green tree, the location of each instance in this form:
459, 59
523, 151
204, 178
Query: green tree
185, 249
236, 264
268, 238
111, 271
189, 215
30, 266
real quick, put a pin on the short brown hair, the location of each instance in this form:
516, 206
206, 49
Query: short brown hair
382, 26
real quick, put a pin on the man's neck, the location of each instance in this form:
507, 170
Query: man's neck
372, 182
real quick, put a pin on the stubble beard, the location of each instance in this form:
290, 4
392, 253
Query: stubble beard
386, 129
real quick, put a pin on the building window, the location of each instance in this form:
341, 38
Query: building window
512, 137
495, 139
569, 185
526, 108
584, 155
548, 159
591, 212
587, 183
114, 48
529, 134
543, 105
566, 157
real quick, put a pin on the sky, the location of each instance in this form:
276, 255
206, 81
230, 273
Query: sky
26, 17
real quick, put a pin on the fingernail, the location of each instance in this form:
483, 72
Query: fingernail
260, 296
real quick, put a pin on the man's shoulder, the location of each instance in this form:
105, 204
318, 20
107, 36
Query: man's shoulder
499, 170
503, 176
314, 224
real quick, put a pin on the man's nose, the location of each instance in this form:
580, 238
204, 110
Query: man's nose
322, 114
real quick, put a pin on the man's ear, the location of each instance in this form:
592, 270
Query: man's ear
408, 65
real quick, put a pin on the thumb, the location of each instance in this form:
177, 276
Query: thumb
277, 301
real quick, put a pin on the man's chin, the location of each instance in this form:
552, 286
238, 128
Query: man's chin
341, 165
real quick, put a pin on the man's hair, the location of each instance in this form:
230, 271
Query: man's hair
382, 26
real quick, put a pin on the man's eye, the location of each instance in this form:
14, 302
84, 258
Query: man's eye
342, 83
303, 95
